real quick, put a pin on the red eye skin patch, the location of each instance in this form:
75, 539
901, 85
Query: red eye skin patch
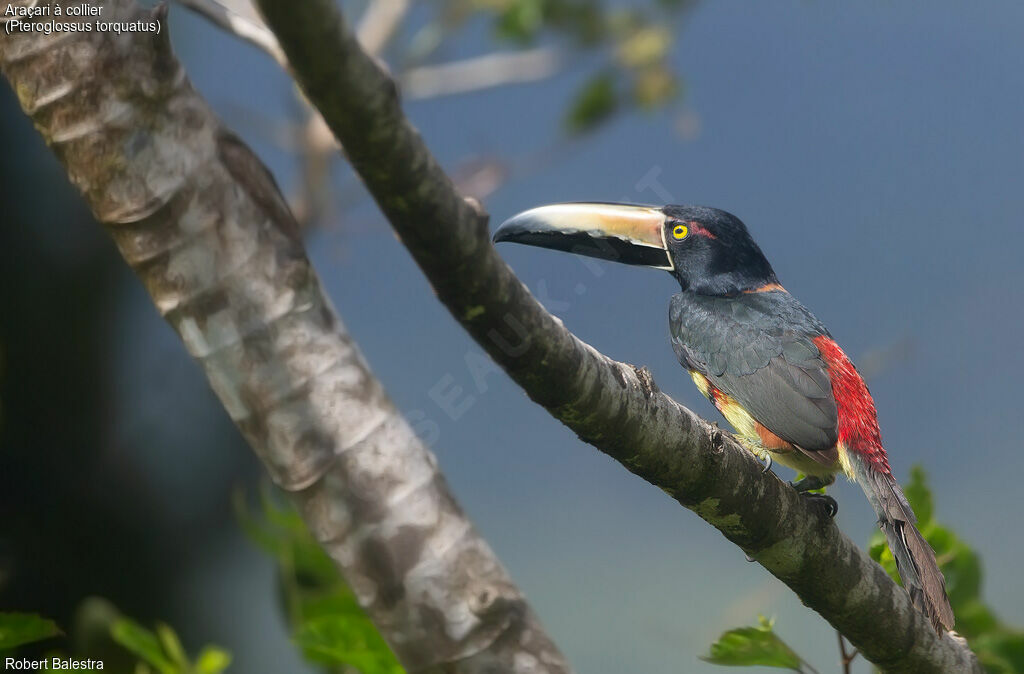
696, 228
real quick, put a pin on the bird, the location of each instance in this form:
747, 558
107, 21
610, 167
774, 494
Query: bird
767, 363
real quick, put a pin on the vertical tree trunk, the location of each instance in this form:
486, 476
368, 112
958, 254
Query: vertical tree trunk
204, 226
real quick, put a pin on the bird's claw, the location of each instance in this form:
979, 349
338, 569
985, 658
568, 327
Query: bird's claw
812, 482
809, 483
767, 463
824, 501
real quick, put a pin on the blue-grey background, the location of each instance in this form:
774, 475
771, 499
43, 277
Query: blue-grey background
874, 150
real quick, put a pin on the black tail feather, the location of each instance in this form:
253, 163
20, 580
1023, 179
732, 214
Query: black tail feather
915, 559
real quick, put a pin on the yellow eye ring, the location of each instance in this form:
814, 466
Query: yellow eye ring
680, 231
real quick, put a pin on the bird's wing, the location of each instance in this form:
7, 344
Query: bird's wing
758, 350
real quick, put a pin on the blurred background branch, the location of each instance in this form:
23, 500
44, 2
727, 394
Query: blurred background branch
379, 22
248, 28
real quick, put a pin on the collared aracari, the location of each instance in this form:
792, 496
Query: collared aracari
763, 359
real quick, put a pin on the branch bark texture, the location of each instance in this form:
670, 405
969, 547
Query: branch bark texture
614, 406
204, 226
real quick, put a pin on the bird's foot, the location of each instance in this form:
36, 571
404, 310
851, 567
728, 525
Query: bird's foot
824, 501
809, 483
812, 482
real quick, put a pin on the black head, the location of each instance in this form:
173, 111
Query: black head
709, 251
712, 252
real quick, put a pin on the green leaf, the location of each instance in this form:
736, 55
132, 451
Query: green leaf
212, 660
284, 536
920, 496
17, 629
959, 563
586, 22
348, 640
993, 664
172, 646
1003, 646
329, 625
751, 646
143, 643
974, 618
879, 550
594, 103
521, 21
335, 630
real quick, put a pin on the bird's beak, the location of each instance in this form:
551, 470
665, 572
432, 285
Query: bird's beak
619, 232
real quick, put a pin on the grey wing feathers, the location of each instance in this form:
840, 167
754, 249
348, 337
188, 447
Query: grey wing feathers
758, 349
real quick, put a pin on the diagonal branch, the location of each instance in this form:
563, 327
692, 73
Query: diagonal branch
203, 224
611, 405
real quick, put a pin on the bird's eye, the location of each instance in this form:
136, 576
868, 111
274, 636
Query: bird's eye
680, 231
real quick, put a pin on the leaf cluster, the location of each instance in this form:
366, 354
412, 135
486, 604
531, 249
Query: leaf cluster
159, 651
636, 41
327, 623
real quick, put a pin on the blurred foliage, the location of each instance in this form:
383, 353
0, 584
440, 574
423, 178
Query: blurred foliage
753, 646
17, 629
161, 651
596, 102
636, 40
327, 623
999, 647
158, 652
